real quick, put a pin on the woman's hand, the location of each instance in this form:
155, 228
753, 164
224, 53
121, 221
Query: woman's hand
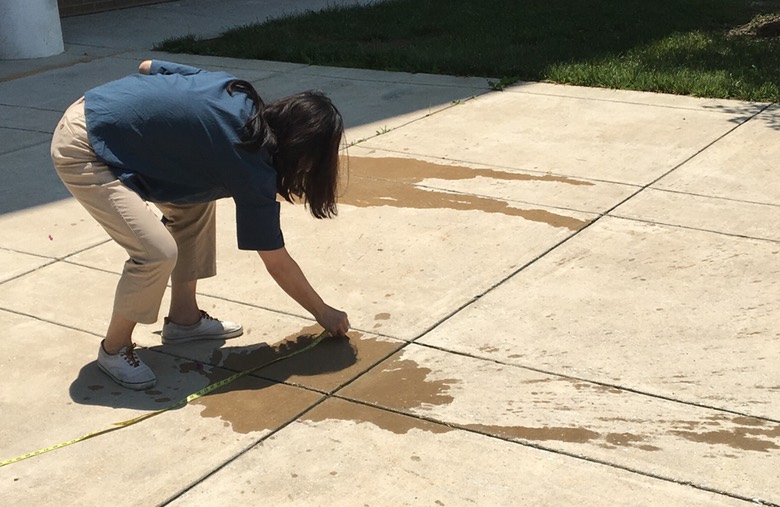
288, 275
145, 67
334, 321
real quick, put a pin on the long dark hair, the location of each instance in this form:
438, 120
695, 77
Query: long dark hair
302, 133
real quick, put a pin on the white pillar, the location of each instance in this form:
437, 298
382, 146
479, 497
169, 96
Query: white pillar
29, 29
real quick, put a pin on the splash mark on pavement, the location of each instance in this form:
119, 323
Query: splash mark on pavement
380, 317
376, 190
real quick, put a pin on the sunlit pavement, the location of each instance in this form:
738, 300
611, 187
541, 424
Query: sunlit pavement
560, 296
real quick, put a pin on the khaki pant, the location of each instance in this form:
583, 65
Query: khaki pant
182, 247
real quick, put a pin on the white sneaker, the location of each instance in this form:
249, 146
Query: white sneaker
207, 328
126, 368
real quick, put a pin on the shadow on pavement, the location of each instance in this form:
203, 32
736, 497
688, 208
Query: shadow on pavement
179, 377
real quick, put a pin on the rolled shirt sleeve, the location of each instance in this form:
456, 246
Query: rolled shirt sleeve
168, 68
258, 226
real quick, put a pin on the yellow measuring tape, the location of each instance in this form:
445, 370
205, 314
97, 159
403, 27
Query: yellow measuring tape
203, 392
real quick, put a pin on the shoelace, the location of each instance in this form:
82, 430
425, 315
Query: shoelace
128, 353
206, 316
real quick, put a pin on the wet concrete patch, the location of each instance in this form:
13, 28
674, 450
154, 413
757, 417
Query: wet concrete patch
561, 434
395, 182
409, 170
342, 410
747, 434
401, 384
251, 404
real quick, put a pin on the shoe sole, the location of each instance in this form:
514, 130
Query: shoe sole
139, 386
187, 339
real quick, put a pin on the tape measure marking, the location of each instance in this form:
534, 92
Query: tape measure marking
194, 396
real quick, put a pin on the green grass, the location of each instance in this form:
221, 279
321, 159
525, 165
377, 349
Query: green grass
671, 46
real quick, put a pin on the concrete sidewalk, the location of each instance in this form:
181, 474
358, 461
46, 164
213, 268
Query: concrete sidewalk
561, 296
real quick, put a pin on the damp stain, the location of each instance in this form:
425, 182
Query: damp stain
393, 182
253, 405
341, 410
629, 440
752, 437
561, 434
409, 170
600, 388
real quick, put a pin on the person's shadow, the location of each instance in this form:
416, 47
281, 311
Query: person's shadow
185, 369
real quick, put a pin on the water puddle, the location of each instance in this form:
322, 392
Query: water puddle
393, 182
257, 404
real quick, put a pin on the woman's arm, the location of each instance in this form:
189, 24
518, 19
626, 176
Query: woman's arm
288, 275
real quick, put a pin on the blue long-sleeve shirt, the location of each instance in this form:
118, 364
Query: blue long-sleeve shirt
172, 136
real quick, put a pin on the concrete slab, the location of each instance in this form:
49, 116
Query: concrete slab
683, 314
736, 112
246, 69
728, 216
29, 178
526, 131
144, 27
369, 109
50, 294
58, 88
55, 89
405, 461
376, 277
27, 119
17, 139
54, 230
380, 76
14, 264
743, 166
74, 53
74, 398
660, 438
392, 279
